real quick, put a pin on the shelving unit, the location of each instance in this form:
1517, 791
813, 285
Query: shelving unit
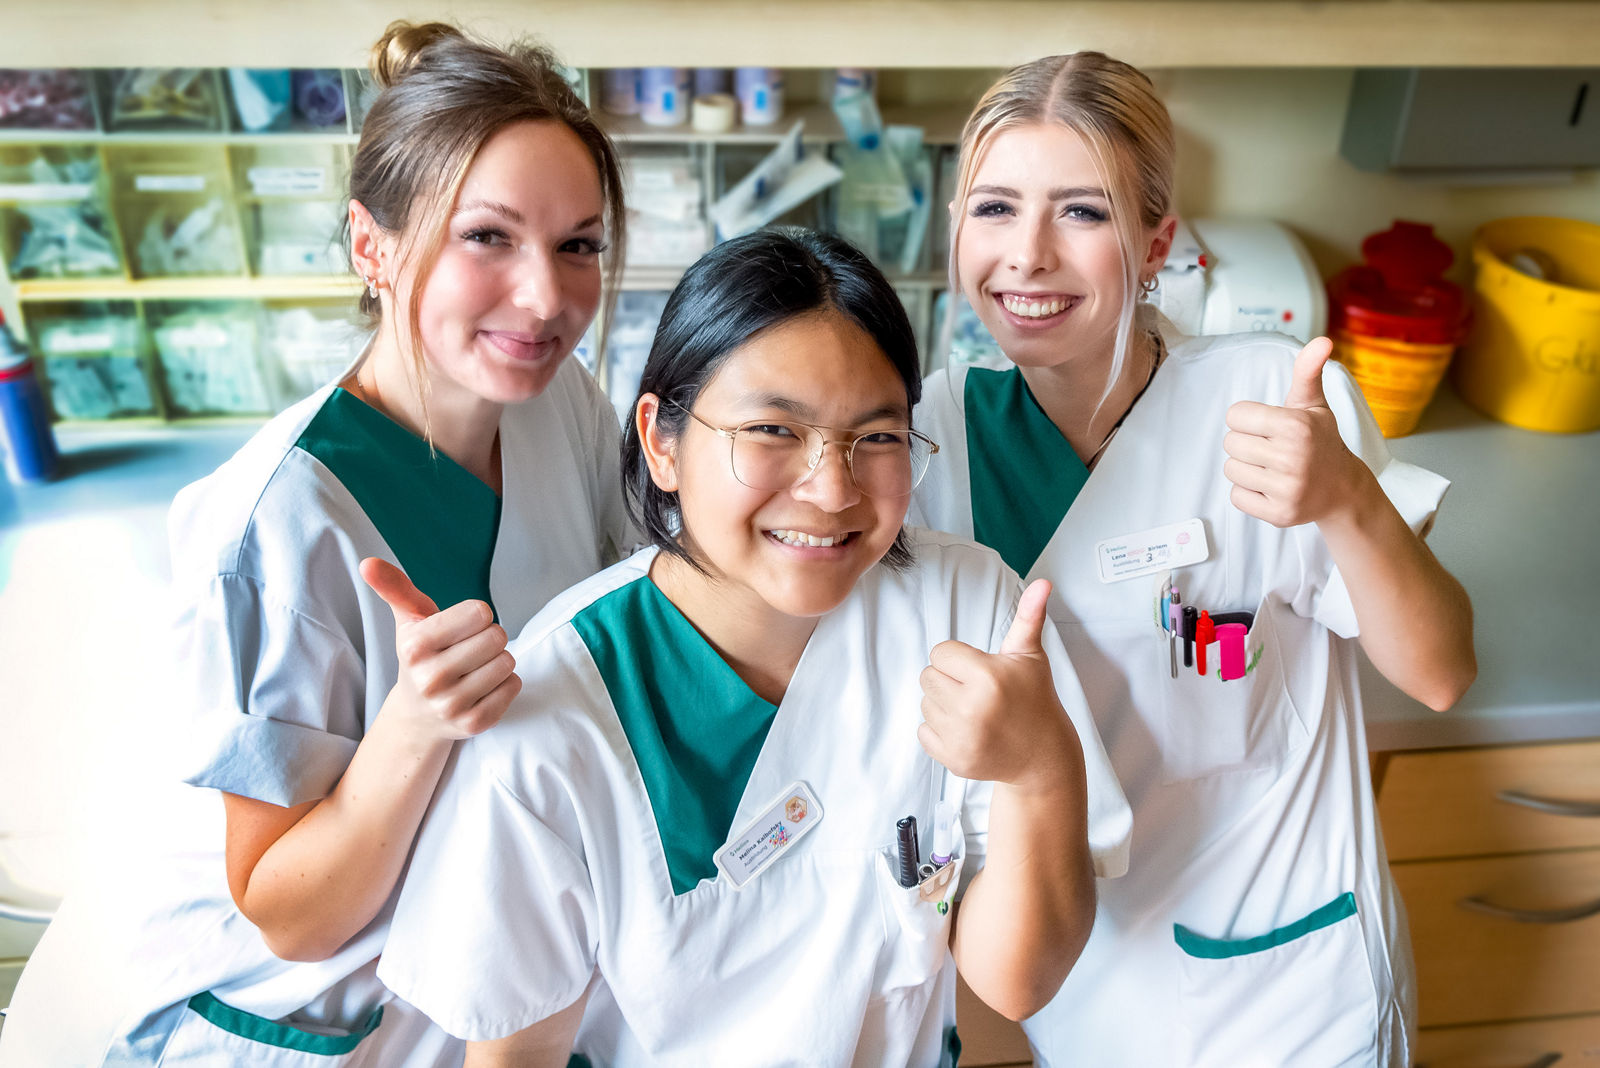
130, 317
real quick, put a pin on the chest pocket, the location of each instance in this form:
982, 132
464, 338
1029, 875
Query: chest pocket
1214, 727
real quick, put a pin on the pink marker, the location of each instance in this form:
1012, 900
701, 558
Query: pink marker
1230, 636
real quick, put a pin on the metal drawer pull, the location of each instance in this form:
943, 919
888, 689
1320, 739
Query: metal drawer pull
1505, 912
1588, 809
24, 915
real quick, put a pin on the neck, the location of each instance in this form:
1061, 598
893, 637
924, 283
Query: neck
1070, 392
761, 644
463, 426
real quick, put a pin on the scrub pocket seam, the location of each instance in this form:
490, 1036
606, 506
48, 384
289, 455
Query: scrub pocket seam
1198, 945
249, 1026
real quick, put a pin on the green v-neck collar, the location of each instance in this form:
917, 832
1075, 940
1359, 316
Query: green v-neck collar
440, 520
695, 727
1023, 472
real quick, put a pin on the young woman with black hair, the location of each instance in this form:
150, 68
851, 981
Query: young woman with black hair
692, 811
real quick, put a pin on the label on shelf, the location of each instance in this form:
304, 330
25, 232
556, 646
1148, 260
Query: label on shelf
66, 341
169, 183
46, 190
276, 181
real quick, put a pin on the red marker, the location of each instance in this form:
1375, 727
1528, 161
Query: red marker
1205, 632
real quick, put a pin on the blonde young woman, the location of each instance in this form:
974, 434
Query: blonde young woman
347, 581
1243, 476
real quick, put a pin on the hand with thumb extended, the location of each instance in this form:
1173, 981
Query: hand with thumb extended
1287, 462
456, 676
996, 715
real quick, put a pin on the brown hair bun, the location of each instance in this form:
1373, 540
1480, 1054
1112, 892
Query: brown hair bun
402, 45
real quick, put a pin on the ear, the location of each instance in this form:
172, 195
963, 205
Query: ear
370, 246
658, 452
1160, 246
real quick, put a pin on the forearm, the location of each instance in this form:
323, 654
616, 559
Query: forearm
1415, 619
1027, 915
325, 879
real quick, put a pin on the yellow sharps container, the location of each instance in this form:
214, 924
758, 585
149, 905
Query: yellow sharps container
1533, 356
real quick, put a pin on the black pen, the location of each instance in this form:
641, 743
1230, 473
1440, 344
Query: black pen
910, 853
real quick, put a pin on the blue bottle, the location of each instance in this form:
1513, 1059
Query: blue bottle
30, 444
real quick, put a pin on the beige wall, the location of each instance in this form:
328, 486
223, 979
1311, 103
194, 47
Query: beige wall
1265, 143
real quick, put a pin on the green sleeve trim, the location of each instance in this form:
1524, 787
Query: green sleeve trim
952, 1048
1197, 945
247, 1025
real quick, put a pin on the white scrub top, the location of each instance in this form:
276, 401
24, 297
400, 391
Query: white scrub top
633, 754
286, 657
1257, 924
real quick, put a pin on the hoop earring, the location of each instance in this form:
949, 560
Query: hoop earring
1147, 286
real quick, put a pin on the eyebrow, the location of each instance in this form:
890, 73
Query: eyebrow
513, 215
799, 410
510, 213
1061, 193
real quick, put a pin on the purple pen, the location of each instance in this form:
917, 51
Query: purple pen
1174, 629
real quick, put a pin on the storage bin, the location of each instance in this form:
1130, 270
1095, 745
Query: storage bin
210, 357
304, 347
174, 204
53, 217
91, 359
1396, 322
1533, 359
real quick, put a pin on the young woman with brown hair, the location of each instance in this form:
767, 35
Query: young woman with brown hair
347, 581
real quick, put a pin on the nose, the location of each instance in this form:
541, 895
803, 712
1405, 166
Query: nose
829, 484
1035, 250
537, 286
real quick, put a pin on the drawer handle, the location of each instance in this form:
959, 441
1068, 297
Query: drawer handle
1506, 912
1587, 809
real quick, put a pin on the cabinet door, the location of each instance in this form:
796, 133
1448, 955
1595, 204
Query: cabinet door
1473, 802
1575, 1040
1482, 951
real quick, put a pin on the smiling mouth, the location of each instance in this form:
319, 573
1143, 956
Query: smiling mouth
801, 539
1024, 306
520, 346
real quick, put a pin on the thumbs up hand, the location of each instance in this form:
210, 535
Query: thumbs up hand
456, 676
996, 716
1287, 462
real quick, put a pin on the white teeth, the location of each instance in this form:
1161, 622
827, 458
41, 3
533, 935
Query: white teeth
1033, 309
800, 537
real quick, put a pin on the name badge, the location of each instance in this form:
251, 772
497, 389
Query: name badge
1148, 551
769, 836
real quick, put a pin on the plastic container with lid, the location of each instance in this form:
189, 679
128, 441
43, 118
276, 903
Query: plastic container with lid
30, 444
1396, 322
1533, 359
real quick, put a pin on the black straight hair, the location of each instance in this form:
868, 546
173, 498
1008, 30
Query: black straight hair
731, 294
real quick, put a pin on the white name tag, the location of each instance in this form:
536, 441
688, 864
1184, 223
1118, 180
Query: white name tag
769, 836
1149, 551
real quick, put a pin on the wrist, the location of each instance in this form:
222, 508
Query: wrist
1358, 501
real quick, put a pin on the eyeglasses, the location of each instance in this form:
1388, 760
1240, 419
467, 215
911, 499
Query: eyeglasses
772, 454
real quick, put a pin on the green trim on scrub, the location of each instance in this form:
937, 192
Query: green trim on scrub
952, 1046
439, 519
248, 1025
578, 1060
1024, 474
694, 726
1197, 945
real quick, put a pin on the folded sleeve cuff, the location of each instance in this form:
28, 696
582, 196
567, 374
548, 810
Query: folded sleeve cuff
1416, 494
269, 760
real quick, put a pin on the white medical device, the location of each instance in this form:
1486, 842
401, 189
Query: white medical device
1227, 276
